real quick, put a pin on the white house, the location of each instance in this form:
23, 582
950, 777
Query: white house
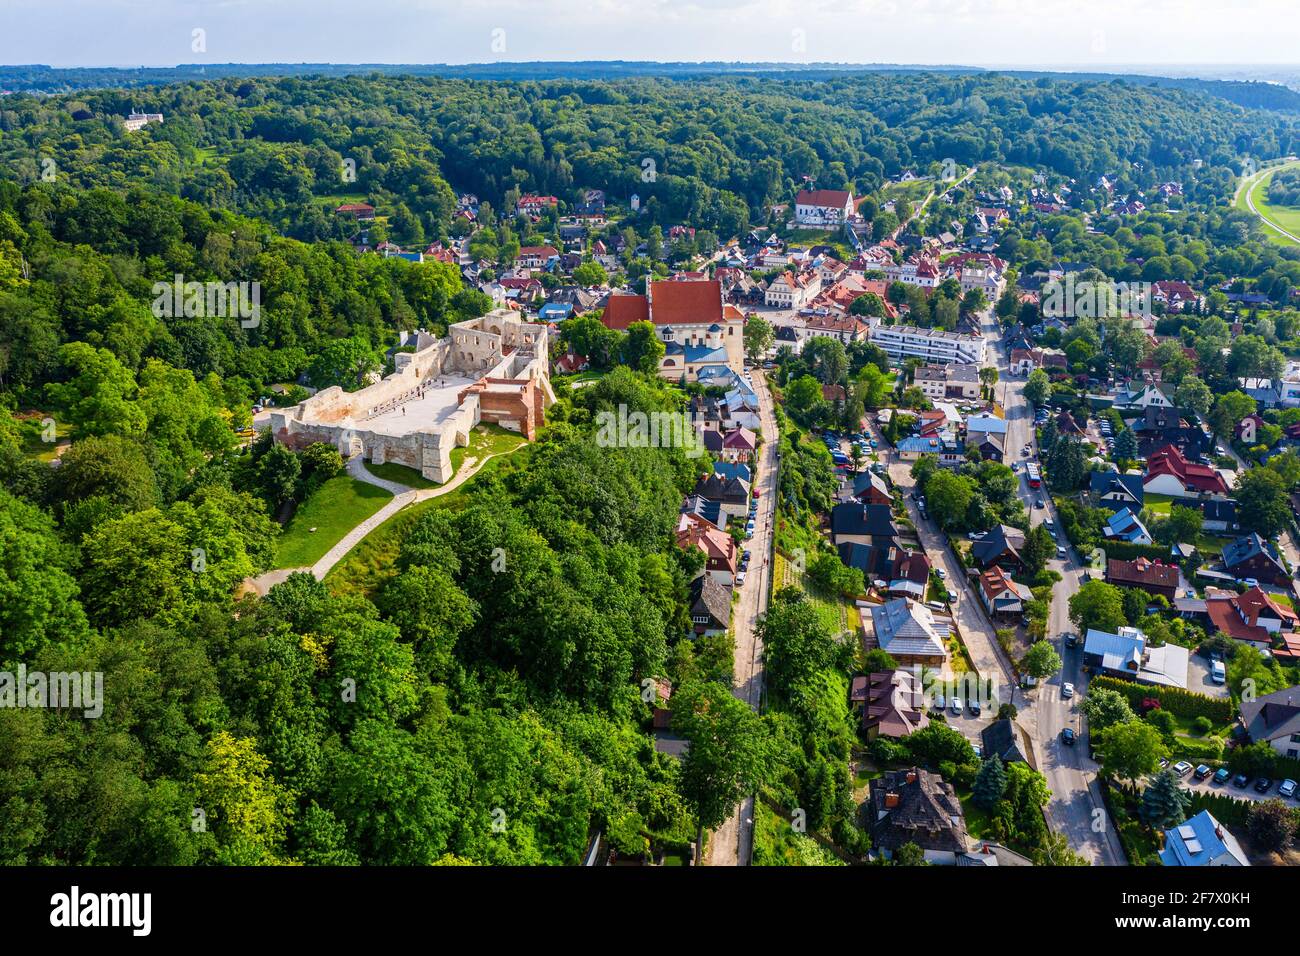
823, 207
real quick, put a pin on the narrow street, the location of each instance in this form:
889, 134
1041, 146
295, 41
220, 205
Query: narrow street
732, 844
1075, 808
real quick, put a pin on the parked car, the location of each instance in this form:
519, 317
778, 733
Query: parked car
1221, 776
1287, 789
1182, 768
1060, 552
1071, 639
1067, 736
1218, 673
1240, 781
1038, 503
1263, 785
935, 605
941, 572
740, 578
938, 702
1067, 690
974, 706
1202, 772
955, 706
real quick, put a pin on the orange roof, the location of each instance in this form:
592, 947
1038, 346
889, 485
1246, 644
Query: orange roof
685, 303
622, 310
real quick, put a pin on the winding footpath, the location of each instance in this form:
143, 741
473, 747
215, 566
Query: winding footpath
402, 496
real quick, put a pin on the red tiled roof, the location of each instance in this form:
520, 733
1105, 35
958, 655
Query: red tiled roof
1170, 461
836, 198
685, 303
1142, 571
1238, 616
622, 310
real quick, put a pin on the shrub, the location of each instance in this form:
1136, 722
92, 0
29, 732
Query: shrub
1179, 702
1202, 725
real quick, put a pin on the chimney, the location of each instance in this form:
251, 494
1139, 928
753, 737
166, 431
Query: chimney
891, 801
911, 776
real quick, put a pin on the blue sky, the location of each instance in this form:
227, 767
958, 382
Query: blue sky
1097, 34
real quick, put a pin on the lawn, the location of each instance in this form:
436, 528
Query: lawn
32, 436
392, 471
486, 440
1158, 504
372, 562
978, 820
1288, 217
336, 508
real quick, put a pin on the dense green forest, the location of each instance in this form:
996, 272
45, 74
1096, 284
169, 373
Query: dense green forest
458, 709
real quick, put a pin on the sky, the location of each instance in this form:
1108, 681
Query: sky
1054, 34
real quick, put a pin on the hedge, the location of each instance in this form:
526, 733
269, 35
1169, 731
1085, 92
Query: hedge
1179, 702
1225, 809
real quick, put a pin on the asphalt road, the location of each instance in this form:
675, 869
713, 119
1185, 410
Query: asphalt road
732, 844
1075, 808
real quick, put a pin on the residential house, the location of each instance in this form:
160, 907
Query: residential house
733, 493
919, 807
1251, 557
1274, 718
710, 511
740, 408
871, 489
710, 606
1160, 427
980, 426
1009, 741
862, 524
1114, 489
1169, 473
1175, 296
792, 290
903, 573
739, 445
1150, 576
705, 412
914, 446
958, 381
1004, 598
1127, 655
843, 328
906, 630
892, 703
719, 547
360, 211
1124, 525
535, 257
1202, 841
729, 470
1252, 617
1000, 546
991, 447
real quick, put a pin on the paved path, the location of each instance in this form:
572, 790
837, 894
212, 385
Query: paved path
402, 496
1249, 186
732, 844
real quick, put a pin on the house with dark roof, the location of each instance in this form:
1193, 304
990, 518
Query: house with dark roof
1159, 427
1114, 489
916, 806
1217, 514
1009, 741
1274, 718
1250, 557
710, 511
904, 572
862, 524
892, 703
732, 493
1150, 576
719, 548
1001, 545
871, 489
710, 606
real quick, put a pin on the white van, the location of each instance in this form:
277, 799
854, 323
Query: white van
1218, 673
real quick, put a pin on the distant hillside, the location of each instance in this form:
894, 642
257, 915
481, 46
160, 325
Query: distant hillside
45, 79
